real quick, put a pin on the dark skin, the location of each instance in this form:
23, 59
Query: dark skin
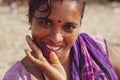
52, 60
114, 54
53, 67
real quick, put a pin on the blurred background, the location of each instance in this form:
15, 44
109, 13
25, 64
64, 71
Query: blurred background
101, 18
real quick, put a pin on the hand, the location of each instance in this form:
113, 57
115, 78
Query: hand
52, 69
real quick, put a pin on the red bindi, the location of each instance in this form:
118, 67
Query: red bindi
59, 21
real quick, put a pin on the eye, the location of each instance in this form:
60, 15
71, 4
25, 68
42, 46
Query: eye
44, 22
70, 27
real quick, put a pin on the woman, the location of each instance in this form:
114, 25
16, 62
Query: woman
58, 50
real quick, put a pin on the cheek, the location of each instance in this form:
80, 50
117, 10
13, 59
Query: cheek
37, 30
38, 34
70, 39
36, 37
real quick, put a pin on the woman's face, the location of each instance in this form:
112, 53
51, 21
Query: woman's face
59, 31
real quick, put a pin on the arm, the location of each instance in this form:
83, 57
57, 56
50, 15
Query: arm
115, 59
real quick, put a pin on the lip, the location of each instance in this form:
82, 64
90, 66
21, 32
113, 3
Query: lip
53, 48
47, 48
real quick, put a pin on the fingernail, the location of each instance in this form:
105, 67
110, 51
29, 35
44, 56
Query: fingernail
27, 36
52, 52
26, 50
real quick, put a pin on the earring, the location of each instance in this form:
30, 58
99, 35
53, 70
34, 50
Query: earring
30, 28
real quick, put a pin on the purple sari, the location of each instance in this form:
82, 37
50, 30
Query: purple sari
87, 51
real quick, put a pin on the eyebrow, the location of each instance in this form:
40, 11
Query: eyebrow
40, 18
46, 19
71, 23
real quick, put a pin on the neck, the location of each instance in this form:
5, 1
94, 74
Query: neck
65, 61
65, 58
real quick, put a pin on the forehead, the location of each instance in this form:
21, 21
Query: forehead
64, 3
63, 10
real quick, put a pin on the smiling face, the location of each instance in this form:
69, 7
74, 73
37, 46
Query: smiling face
59, 30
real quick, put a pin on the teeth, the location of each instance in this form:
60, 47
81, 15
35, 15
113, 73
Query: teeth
53, 48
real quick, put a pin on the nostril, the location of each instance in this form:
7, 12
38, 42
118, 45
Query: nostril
56, 37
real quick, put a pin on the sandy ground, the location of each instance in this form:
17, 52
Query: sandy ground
101, 20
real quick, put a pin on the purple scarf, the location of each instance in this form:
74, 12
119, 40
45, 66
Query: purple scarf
78, 60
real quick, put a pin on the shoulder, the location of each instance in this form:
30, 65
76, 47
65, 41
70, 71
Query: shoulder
102, 43
115, 58
95, 43
16, 72
99, 40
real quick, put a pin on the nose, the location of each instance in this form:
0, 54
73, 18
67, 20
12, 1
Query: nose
56, 36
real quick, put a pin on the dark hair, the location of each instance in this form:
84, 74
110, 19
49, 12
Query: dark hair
35, 4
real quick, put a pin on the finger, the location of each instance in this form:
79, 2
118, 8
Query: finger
54, 59
34, 60
40, 63
37, 52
